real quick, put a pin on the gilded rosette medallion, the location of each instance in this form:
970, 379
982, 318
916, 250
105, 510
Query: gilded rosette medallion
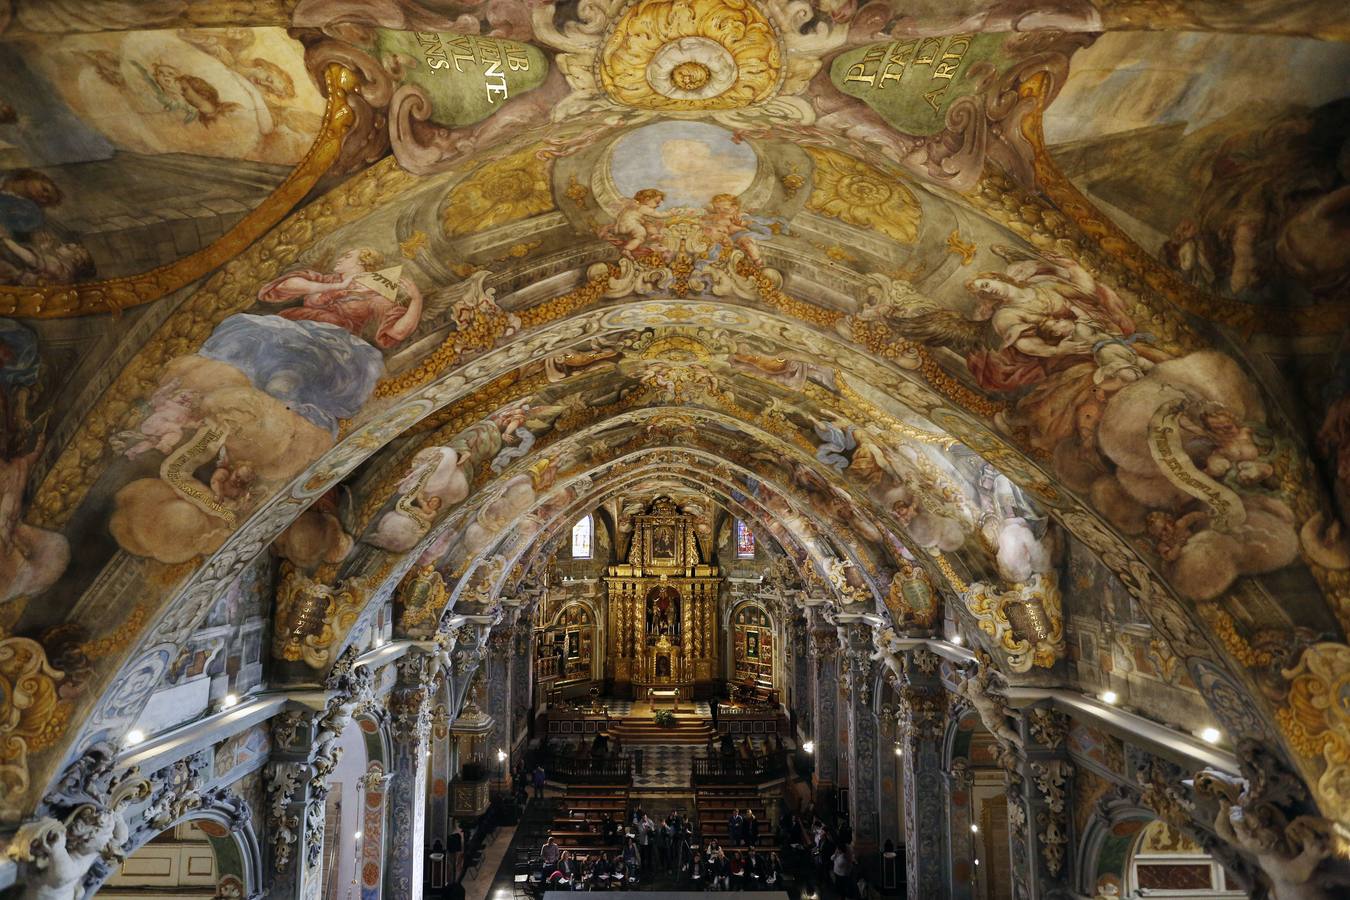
699, 55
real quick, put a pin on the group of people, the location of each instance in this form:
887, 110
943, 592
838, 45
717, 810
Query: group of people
831, 851
596, 871
669, 848
714, 869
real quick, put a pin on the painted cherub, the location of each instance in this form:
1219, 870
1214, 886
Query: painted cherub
637, 221
724, 223
1171, 533
173, 411
1227, 444
232, 481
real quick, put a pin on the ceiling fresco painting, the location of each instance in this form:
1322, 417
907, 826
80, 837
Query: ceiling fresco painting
975, 312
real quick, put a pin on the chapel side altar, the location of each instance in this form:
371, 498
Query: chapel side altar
662, 619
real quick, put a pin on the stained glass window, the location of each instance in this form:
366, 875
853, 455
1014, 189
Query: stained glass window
745, 541
581, 538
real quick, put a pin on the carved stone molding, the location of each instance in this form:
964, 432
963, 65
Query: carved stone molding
82, 833
923, 714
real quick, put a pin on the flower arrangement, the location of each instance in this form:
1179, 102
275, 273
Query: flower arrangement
664, 718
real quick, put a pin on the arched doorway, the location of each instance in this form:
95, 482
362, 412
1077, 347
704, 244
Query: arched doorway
1165, 862
195, 858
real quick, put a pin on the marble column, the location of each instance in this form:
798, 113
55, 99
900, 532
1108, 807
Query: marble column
410, 707
959, 782
304, 753
860, 755
801, 677
923, 713
1046, 790
521, 682
441, 766
825, 706
497, 682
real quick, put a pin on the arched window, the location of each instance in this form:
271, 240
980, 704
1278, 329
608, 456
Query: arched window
745, 541
581, 538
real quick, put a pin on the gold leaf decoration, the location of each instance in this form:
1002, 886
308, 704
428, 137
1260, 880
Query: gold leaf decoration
507, 190
853, 192
691, 54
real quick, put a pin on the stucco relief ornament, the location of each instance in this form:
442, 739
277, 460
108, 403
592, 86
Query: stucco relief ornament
1025, 620
1051, 779
283, 783
982, 688
737, 61
178, 791
1258, 815
84, 833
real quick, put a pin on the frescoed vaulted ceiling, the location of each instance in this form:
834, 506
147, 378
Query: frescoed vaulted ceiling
934, 295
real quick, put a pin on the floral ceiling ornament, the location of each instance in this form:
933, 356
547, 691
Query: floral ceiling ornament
508, 190
688, 56
855, 193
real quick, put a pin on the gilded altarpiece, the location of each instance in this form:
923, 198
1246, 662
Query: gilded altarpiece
663, 608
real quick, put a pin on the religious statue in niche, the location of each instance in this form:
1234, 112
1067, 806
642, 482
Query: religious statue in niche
663, 614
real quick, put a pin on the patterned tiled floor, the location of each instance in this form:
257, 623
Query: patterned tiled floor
665, 767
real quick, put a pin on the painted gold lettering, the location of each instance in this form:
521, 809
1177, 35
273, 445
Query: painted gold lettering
495, 81
928, 51
858, 72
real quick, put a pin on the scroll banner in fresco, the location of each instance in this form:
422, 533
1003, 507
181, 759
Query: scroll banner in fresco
911, 83
1164, 443
178, 467
466, 77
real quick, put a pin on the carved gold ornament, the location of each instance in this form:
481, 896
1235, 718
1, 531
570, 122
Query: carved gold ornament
31, 713
500, 192
691, 54
1316, 718
1025, 621
853, 192
113, 294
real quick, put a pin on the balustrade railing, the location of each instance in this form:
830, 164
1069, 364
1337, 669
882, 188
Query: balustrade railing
721, 769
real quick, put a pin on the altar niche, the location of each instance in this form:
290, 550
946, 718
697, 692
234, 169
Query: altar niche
662, 618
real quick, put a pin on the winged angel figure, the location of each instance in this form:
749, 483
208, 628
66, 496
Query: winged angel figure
1047, 330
